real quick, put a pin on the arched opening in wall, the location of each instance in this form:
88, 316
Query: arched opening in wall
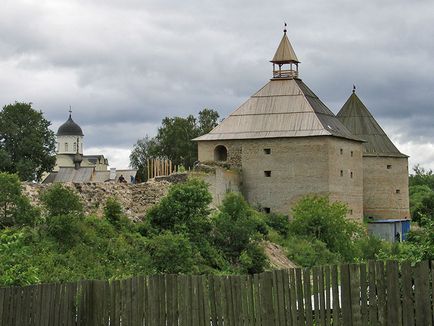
220, 153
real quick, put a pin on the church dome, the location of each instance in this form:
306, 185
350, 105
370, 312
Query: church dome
69, 128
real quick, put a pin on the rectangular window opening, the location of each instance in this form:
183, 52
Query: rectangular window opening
267, 210
389, 166
342, 173
352, 153
397, 191
351, 175
351, 212
267, 151
267, 174
342, 151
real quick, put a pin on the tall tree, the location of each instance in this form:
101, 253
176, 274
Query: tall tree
26, 143
143, 150
174, 138
173, 141
208, 120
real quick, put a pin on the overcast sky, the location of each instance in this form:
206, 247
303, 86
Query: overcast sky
124, 65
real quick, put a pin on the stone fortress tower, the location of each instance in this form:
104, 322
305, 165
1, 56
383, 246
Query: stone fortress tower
385, 168
288, 144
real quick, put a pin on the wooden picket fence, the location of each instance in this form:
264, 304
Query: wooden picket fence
376, 293
158, 167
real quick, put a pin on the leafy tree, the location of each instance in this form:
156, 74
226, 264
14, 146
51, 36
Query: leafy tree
279, 222
174, 138
236, 228
183, 210
171, 253
59, 200
253, 259
316, 217
421, 202
207, 121
16, 267
26, 143
114, 213
15, 208
309, 252
143, 150
421, 177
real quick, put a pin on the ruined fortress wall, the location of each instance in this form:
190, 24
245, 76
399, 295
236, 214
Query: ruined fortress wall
135, 199
220, 180
385, 187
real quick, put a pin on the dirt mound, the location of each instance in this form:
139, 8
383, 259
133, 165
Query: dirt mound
277, 256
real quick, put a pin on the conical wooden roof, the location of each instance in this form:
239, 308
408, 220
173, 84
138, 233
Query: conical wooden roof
357, 118
282, 108
285, 53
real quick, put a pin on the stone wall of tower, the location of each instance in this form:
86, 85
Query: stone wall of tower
346, 175
385, 187
276, 173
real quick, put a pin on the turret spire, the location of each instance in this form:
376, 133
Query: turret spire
285, 55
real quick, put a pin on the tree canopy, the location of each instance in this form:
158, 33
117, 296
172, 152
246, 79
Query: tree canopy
173, 140
27, 145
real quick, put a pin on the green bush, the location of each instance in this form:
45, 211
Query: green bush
171, 253
278, 222
309, 253
369, 247
183, 210
59, 200
16, 267
253, 259
317, 218
236, 228
15, 208
66, 229
114, 213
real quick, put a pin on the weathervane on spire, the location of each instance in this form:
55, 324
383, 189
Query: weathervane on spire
354, 88
284, 27
70, 111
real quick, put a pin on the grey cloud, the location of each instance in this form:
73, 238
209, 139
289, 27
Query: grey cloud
124, 65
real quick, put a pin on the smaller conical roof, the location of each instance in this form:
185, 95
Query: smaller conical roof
285, 53
356, 117
69, 128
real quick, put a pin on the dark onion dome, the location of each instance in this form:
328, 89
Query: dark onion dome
69, 128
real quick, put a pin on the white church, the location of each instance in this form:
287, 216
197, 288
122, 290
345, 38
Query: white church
73, 166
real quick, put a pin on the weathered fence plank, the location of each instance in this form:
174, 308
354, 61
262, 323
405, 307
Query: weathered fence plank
346, 295
300, 301
328, 306
293, 297
422, 294
336, 296
372, 288
369, 294
381, 292
393, 294
356, 314
363, 294
315, 291
307, 295
407, 295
